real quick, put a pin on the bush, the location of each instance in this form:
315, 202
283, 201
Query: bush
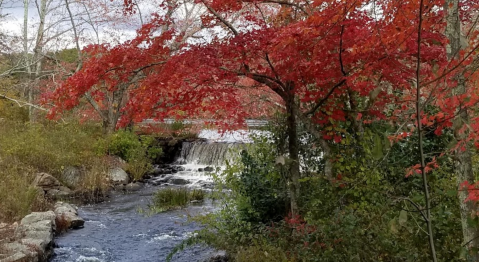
172, 198
137, 150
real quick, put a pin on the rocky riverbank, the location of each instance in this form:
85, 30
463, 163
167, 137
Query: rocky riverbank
32, 240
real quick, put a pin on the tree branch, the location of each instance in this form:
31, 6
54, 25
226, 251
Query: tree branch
226, 23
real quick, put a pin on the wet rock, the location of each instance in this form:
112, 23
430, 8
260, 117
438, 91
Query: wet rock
207, 185
209, 169
119, 187
133, 187
178, 181
218, 256
67, 216
178, 168
118, 176
159, 181
201, 169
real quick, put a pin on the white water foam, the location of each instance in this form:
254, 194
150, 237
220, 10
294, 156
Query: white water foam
236, 136
88, 259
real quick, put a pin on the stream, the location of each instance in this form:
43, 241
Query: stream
115, 230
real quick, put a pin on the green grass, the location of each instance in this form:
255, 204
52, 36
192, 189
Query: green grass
173, 198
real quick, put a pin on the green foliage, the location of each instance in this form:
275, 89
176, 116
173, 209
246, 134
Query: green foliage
49, 147
367, 212
259, 184
137, 150
172, 198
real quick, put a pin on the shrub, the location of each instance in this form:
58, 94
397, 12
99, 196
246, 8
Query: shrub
137, 150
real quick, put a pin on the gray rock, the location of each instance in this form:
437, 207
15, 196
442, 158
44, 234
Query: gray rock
218, 256
133, 187
118, 176
71, 176
209, 169
67, 215
119, 187
46, 181
18, 252
178, 181
162, 180
50, 186
33, 238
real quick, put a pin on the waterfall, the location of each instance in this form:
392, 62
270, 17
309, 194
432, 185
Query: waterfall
208, 153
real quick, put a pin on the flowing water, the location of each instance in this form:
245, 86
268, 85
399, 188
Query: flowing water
115, 230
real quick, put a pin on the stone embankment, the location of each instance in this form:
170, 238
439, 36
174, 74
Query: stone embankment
32, 240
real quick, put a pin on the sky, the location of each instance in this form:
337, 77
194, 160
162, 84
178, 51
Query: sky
58, 22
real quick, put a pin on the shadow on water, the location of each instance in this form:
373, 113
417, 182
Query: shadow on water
115, 230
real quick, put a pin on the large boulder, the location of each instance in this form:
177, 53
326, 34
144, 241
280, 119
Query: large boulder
67, 216
118, 176
51, 186
72, 176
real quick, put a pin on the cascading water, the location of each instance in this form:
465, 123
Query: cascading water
208, 153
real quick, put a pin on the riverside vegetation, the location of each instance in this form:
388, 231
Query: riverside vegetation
30, 148
367, 212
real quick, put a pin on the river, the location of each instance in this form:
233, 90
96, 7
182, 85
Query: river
115, 230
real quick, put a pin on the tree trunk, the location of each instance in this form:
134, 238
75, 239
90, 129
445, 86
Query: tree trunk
293, 147
462, 155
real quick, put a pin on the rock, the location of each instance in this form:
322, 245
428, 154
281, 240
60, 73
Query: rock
207, 185
119, 187
133, 187
18, 252
162, 180
178, 168
71, 176
201, 169
178, 181
209, 169
62, 191
46, 181
67, 216
33, 239
218, 256
118, 176
50, 186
